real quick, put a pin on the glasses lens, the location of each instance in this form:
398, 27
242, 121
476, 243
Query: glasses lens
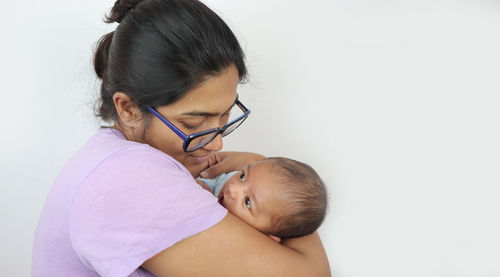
233, 126
201, 141
234, 114
232, 120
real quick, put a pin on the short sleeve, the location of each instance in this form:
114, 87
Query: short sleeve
132, 206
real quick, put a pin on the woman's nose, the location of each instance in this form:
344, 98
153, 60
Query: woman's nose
215, 145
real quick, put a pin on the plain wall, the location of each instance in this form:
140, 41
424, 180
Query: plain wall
394, 103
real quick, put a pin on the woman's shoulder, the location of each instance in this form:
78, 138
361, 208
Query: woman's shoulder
110, 161
127, 172
109, 148
134, 203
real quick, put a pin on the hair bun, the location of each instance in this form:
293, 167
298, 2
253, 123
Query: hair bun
120, 10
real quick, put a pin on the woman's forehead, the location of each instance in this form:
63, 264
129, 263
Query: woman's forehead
214, 96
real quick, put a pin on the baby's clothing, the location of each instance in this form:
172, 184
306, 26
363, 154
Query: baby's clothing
217, 183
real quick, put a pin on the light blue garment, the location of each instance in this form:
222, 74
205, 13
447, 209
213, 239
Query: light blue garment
218, 182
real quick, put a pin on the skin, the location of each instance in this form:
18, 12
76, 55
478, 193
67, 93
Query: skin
240, 249
252, 196
204, 107
227, 161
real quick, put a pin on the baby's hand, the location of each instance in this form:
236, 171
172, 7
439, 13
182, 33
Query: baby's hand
203, 184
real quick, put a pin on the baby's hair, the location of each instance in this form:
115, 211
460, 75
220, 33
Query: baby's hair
305, 196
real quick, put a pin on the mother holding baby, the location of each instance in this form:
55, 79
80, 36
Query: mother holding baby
126, 204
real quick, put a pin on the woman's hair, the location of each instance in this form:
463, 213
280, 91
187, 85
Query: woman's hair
304, 195
160, 50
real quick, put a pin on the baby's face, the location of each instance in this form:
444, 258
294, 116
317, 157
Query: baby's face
253, 195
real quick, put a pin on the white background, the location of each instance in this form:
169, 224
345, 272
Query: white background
395, 103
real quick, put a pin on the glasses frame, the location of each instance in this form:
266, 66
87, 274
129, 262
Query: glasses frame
218, 130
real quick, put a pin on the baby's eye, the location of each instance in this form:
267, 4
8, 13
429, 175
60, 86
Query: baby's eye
247, 202
242, 176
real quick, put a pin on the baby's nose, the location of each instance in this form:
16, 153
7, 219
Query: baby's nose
234, 190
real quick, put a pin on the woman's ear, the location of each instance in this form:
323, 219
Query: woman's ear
127, 109
275, 238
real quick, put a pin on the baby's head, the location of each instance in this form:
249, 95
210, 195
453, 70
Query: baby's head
280, 197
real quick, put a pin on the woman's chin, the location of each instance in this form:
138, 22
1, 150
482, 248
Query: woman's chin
196, 168
196, 164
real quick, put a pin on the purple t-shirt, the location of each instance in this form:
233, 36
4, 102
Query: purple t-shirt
115, 204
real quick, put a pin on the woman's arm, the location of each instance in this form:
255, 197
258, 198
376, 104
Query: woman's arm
233, 248
223, 162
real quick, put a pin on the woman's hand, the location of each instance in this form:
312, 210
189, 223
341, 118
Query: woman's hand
223, 162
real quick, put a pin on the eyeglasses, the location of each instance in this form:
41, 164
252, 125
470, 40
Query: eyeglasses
196, 141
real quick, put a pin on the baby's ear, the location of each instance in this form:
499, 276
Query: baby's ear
278, 240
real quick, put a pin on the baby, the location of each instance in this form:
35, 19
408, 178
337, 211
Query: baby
280, 197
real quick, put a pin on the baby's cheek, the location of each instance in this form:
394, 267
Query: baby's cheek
236, 212
231, 209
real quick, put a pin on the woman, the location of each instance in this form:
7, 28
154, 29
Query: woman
126, 204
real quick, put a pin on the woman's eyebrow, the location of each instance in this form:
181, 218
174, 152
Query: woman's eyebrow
198, 113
